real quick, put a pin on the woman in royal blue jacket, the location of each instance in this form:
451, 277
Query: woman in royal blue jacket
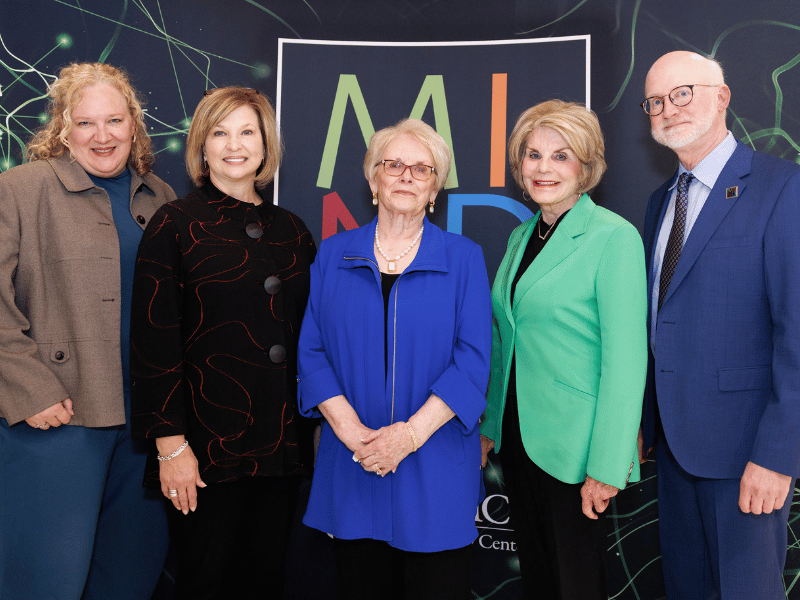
394, 354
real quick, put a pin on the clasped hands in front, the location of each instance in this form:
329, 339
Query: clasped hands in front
381, 451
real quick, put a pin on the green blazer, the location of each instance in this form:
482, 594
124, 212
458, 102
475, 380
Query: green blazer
579, 330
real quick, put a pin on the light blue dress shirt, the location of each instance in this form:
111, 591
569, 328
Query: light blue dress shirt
705, 176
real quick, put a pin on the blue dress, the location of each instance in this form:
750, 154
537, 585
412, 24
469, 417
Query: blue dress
439, 342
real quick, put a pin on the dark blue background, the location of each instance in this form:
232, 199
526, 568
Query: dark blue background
177, 49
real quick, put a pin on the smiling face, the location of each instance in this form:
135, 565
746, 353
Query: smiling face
695, 129
234, 149
404, 194
102, 131
551, 171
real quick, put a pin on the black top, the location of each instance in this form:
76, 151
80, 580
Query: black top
533, 247
219, 293
387, 281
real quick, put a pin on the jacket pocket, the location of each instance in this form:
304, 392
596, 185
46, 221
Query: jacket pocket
59, 352
747, 378
575, 391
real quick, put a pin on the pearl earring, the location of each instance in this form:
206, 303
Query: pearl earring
430, 208
375, 199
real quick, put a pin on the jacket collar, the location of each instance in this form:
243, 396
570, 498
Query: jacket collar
715, 209
561, 244
74, 178
431, 254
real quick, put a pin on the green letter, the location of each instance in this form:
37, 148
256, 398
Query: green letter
433, 88
348, 88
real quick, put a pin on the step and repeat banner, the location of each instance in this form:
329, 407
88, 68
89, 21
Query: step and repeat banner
338, 71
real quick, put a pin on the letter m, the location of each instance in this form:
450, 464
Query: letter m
432, 89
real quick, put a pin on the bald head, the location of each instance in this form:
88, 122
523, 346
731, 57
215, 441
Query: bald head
692, 118
684, 68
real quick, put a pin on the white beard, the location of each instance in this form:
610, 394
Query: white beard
675, 140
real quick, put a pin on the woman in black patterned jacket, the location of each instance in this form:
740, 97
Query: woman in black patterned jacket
221, 284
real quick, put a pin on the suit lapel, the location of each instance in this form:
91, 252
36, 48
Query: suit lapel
652, 226
559, 247
518, 249
715, 209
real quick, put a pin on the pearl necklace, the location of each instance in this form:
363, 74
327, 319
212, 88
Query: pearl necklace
393, 262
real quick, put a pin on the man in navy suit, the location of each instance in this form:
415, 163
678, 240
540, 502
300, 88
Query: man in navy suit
722, 404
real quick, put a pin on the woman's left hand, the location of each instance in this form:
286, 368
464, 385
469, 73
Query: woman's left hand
385, 448
596, 495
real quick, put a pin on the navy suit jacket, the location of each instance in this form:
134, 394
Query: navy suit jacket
726, 361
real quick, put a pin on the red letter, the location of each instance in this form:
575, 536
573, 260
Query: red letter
333, 212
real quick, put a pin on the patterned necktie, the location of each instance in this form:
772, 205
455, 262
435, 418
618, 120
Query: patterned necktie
675, 242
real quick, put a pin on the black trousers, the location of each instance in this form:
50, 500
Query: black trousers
234, 544
371, 569
562, 553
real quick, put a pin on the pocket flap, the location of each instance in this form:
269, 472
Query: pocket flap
59, 352
748, 378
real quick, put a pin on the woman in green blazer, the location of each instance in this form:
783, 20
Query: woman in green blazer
569, 355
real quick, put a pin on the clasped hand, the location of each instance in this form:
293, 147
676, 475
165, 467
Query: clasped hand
382, 450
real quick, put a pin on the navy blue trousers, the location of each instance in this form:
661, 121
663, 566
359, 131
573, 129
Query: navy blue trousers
75, 522
709, 548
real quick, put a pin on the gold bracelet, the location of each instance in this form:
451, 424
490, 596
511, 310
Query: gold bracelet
413, 436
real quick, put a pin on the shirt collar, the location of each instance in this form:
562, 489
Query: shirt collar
707, 170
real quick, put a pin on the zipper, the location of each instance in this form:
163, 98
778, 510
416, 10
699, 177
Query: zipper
394, 326
394, 343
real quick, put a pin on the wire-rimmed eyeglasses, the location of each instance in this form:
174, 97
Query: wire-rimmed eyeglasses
395, 168
680, 96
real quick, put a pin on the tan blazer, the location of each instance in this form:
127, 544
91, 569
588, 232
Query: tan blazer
60, 290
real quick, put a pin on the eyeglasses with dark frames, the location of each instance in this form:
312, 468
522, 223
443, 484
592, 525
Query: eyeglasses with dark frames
680, 96
395, 168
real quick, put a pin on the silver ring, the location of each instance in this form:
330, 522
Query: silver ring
42, 426
172, 493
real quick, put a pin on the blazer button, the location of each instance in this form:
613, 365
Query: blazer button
59, 355
253, 230
141, 220
272, 284
277, 353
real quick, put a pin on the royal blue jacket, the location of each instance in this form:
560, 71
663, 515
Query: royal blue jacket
439, 342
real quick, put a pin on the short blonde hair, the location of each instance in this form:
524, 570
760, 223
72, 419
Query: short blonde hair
576, 124
65, 94
420, 131
213, 108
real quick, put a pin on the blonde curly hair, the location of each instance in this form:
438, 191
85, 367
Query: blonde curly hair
65, 94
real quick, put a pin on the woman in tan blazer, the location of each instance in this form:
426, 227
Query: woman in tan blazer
74, 519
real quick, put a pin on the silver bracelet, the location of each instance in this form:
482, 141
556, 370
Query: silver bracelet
180, 449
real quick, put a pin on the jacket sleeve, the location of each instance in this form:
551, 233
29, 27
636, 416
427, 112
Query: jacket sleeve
27, 385
621, 290
462, 385
493, 417
316, 378
156, 360
777, 444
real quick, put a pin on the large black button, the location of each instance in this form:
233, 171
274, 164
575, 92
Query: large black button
59, 355
141, 220
254, 230
277, 353
272, 284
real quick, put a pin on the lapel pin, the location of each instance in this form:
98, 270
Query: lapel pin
732, 192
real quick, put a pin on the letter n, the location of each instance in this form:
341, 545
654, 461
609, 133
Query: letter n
333, 212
